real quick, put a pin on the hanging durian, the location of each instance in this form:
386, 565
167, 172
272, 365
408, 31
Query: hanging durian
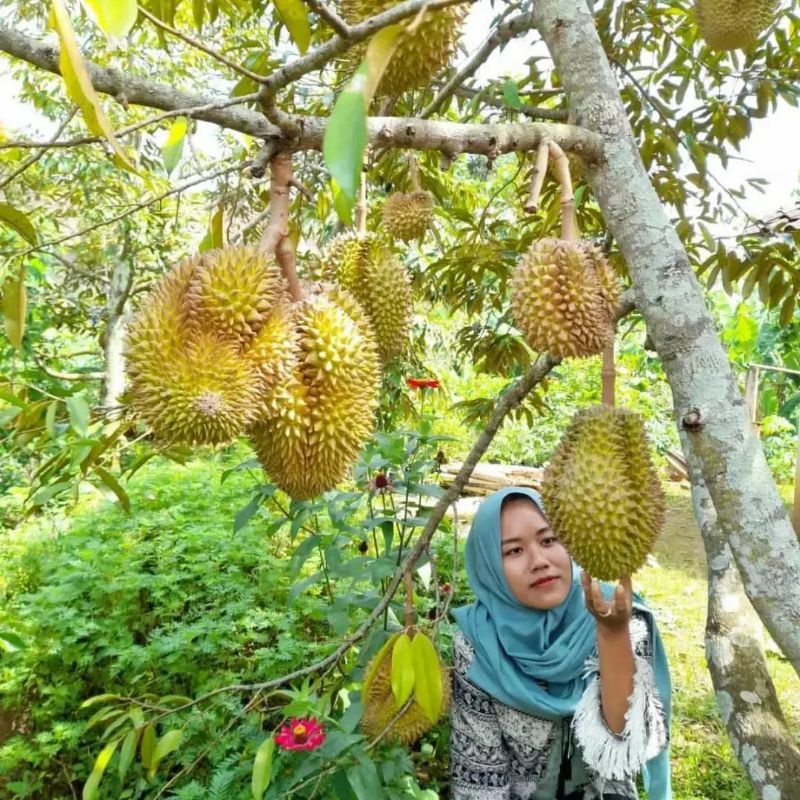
408, 216
364, 266
559, 301
419, 57
602, 494
379, 702
325, 412
733, 24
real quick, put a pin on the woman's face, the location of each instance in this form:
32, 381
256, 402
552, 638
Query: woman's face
536, 565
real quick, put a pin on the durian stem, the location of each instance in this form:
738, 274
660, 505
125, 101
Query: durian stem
537, 180
608, 376
361, 207
569, 225
275, 238
413, 170
409, 587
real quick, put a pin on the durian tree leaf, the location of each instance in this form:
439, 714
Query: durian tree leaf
511, 95
402, 671
787, 310
428, 677
172, 149
15, 308
112, 483
96, 775
245, 514
379, 53
50, 419
79, 413
114, 17
167, 744
79, 85
198, 13
147, 745
10, 642
294, 15
217, 229
127, 752
19, 222
262, 768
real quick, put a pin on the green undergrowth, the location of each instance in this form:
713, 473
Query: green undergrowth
170, 600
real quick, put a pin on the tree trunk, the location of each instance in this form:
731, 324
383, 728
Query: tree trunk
745, 693
119, 287
708, 404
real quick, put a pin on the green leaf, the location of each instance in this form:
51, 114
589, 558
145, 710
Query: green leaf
79, 85
365, 781
198, 12
217, 231
78, 410
115, 486
294, 15
127, 752
428, 677
166, 744
44, 495
50, 419
511, 95
148, 745
262, 768
172, 149
93, 781
243, 515
15, 308
19, 222
10, 642
114, 17
402, 671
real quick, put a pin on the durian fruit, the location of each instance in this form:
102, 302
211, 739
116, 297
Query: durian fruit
380, 283
234, 290
561, 298
606, 277
602, 494
325, 412
408, 216
420, 56
379, 703
733, 24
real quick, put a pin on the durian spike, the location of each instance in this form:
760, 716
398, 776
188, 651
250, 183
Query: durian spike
276, 234
537, 180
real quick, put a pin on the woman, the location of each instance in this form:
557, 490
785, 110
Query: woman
561, 688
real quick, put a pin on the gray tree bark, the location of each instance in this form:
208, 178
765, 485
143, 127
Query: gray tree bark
745, 693
708, 405
113, 339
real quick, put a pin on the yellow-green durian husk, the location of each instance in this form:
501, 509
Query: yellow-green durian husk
381, 284
379, 704
234, 290
408, 216
602, 494
325, 412
419, 57
733, 24
557, 300
606, 277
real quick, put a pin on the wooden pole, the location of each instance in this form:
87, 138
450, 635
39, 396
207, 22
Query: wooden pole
608, 376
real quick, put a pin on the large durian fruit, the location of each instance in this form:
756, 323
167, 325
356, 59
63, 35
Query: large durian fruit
419, 57
376, 278
563, 296
602, 494
379, 703
325, 411
408, 216
733, 24
210, 344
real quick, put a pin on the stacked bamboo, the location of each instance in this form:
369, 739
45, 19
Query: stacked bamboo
488, 478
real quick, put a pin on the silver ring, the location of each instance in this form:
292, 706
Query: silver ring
607, 614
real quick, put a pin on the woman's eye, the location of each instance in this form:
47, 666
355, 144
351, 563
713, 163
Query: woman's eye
513, 551
548, 540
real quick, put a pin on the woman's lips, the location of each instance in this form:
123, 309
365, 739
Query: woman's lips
544, 582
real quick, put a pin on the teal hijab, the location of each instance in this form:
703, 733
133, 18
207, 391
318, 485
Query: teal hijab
518, 648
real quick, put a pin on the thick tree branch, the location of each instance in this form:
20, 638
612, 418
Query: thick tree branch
450, 138
330, 16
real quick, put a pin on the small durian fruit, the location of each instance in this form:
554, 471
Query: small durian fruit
558, 301
379, 703
376, 278
602, 494
203, 393
733, 24
325, 412
420, 56
234, 290
408, 216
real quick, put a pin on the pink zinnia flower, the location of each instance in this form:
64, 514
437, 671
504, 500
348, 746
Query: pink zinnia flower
300, 734
422, 383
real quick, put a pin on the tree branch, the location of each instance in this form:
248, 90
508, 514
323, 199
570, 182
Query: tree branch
449, 137
330, 16
533, 112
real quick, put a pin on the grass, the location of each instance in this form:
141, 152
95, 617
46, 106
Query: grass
704, 765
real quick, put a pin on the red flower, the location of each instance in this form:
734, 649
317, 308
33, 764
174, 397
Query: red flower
422, 383
300, 734
382, 482
446, 588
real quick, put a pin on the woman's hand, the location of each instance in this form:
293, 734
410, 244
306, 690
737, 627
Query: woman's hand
612, 615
